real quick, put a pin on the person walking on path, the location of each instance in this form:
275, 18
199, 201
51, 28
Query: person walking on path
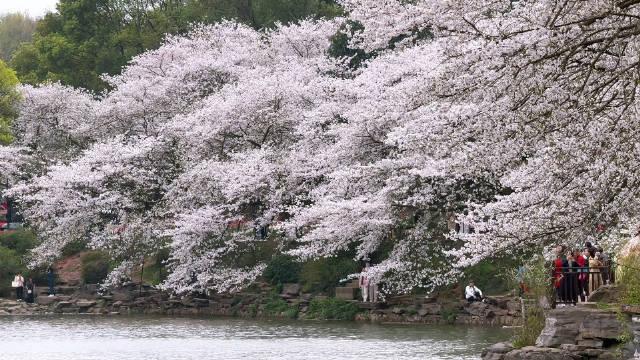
51, 281
18, 284
31, 289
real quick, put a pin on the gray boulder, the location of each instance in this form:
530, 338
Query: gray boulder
540, 353
291, 289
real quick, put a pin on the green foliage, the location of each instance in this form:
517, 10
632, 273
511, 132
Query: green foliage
536, 276
628, 279
265, 13
332, 309
340, 46
322, 275
449, 314
73, 248
531, 329
260, 13
277, 307
9, 98
95, 267
282, 269
87, 38
253, 310
15, 29
486, 275
21, 241
14, 247
10, 264
155, 270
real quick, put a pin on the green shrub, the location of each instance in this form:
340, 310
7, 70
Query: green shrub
332, 309
10, 265
155, 271
95, 267
282, 269
74, 248
628, 279
291, 313
484, 276
253, 310
531, 329
277, 307
21, 241
323, 275
449, 314
537, 278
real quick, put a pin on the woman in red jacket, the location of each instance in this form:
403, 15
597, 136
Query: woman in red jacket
560, 266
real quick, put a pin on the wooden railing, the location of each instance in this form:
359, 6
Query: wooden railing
575, 284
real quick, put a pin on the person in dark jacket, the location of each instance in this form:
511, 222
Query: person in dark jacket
51, 280
571, 279
30, 291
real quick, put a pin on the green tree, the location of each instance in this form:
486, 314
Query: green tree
9, 98
87, 38
261, 13
15, 29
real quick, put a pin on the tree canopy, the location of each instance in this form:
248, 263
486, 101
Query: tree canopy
85, 39
517, 120
15, 29
9, 97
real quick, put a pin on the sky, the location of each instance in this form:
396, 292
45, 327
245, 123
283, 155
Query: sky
35, 8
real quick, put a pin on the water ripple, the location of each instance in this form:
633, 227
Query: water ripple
163, 338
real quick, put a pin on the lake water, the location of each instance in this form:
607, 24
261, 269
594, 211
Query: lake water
165, 338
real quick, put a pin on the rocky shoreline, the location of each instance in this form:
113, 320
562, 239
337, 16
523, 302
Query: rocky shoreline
577, 333
129, 300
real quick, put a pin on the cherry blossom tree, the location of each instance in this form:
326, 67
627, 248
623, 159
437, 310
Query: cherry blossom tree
191, 140
516, 119
539, 94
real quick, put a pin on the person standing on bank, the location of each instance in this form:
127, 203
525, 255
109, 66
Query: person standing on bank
571, 279
51, 281
18, 284
364, 283
31, 290
583, 274
560, 266
595, 264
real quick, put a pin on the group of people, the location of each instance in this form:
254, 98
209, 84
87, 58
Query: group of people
578, 273
25, 291
368, 288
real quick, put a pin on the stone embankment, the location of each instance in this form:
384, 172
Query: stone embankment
575, 333
256, 303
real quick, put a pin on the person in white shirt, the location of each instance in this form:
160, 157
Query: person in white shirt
472, 293
18, 284
364, 283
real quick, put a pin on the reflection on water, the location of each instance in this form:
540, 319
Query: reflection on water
163, 338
